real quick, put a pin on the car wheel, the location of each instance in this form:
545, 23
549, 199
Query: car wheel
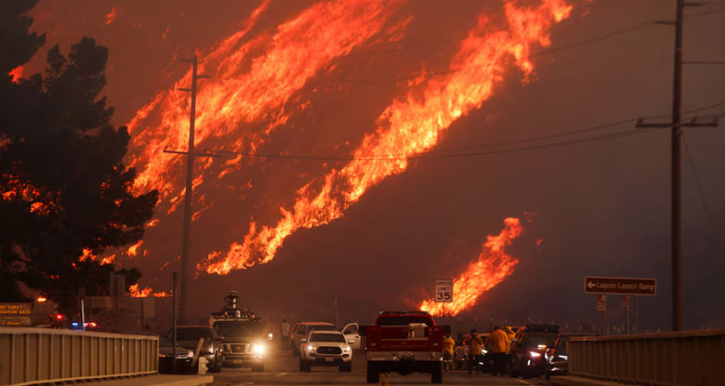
346, 368
373, 373
295, 350
436, 376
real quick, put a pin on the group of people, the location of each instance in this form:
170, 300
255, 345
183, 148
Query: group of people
498, 344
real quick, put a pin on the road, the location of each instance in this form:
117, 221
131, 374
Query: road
284, 370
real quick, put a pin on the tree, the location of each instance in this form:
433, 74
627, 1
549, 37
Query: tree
64, 189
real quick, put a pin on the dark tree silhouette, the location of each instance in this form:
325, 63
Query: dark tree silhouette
63, 186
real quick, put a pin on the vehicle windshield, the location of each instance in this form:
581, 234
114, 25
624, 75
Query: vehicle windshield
403, 320
320, 327
337, 338
540, 338
165, 342
192, 333
227, 329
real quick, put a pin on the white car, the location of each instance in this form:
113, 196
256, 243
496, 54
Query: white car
326, 348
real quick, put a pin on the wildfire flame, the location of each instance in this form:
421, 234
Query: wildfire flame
135, 292
133, 250
491, 268
239, 94
111, 16
17, 74
405, 129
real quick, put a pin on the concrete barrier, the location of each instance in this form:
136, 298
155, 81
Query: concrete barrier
31, 356
669, 358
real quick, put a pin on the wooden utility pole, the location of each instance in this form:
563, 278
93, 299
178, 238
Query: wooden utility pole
676, 184
191, 155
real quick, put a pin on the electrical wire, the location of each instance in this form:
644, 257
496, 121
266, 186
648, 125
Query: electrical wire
698, 182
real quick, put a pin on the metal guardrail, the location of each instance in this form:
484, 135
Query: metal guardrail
670, 358
30, 356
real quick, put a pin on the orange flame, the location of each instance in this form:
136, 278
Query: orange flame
492, 267
135, 292
239, 93
17, 74
133, 250
405, 129
111, 16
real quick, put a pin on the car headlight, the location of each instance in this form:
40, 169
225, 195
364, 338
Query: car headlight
310, 347
190, 354
345, 348
258, 349
208, 349
534, 354
484, 352
564, 357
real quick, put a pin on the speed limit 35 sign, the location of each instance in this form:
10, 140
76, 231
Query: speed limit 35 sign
444, 291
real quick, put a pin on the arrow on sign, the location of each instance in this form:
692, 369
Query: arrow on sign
591, 284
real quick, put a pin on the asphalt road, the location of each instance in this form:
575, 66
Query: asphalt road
284, 370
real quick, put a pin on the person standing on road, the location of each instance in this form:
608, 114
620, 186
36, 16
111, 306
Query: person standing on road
510, 334
448, 349
497, 344
285, 335
473, 342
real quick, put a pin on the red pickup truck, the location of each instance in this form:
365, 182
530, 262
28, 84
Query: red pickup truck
405, 342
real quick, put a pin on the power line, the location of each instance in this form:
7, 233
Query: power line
433, 154
698, 182
423, 156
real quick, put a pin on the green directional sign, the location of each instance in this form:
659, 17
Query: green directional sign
620, 285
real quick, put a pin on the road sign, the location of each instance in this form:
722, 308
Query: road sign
620, 285
625, 301
15, 314
444, 291
601, 302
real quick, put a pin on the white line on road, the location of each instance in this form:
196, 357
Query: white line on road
280, 374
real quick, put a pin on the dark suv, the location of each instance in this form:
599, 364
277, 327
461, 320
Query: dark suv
557, 358
189, 336
529, 348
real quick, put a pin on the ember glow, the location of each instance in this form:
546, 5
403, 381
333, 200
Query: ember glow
405, 129
111, 16
17, 73
491, 268
136, 292
244, 90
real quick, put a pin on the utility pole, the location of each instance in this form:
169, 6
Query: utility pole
191, 155
676, 184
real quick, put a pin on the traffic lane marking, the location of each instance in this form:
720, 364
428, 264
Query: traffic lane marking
280, 374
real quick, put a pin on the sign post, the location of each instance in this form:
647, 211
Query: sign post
602, 307
625, 304
444, 291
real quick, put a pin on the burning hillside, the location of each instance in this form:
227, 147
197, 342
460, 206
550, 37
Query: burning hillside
259, 81
492, 267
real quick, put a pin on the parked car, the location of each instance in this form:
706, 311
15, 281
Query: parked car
529, 347
302, 330
184, 358
326, 348
189, 336
557, 359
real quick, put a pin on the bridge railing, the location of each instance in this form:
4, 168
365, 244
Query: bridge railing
669, 358
37, 355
